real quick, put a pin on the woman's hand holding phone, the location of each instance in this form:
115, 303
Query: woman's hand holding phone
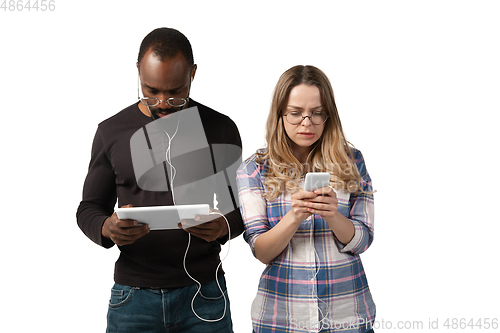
324, 202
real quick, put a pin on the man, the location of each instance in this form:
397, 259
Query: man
157, 271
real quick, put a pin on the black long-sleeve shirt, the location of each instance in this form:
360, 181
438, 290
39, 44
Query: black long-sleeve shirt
134, 171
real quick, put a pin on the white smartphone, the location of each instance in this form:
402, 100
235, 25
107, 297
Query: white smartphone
162, 217
315, 180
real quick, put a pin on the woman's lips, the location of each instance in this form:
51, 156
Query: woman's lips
307, 134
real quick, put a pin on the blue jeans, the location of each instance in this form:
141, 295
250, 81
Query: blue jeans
133, 309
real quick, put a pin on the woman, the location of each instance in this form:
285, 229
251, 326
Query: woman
310, 241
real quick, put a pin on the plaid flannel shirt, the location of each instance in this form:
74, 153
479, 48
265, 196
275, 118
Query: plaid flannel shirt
316, 283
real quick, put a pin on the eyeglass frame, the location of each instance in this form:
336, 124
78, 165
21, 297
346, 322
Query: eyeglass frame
159, 100
304, 117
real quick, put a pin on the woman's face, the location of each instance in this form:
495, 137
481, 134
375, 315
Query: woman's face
306, 101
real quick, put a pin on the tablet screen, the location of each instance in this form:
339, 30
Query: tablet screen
162, 217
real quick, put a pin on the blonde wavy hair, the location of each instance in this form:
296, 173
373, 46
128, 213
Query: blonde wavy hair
331, 153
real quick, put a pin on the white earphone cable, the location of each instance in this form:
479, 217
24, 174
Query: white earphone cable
173, 172
216, 279
316, 271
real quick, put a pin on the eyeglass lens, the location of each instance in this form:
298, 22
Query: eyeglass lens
295, 118
153, 101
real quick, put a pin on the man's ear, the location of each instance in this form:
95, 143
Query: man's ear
193, 72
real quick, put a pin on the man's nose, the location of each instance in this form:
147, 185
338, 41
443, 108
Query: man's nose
164, 104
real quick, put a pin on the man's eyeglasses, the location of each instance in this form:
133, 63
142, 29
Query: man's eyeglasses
172, 101
295, 118
176, 102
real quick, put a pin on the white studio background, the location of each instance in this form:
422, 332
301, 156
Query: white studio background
416, 84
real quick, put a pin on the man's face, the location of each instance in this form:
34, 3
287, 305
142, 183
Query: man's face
163, 80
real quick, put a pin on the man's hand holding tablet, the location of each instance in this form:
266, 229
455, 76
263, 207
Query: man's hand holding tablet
129, 223
123, 232
207, 227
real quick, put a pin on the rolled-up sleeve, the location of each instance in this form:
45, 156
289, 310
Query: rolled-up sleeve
362, 211
253, 205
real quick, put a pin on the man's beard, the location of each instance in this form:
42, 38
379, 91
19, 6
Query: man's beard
158, 113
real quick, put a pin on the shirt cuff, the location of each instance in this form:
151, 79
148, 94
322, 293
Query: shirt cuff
356, 240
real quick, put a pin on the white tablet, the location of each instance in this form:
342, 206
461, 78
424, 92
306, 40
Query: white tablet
162, 217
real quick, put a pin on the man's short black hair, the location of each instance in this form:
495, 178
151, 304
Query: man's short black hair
166, 43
